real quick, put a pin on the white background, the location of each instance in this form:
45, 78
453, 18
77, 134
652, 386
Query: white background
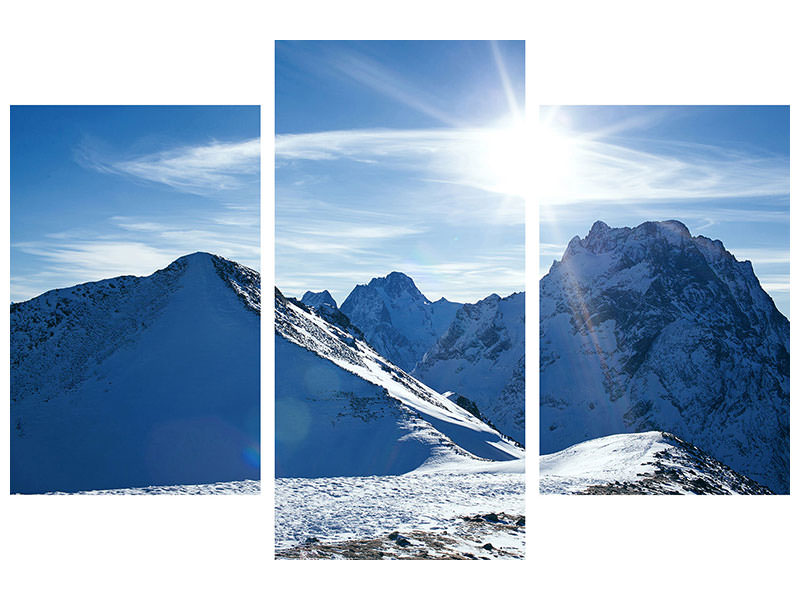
609, 52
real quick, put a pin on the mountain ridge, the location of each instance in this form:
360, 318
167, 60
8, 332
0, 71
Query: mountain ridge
120, 363
650, 328
357, 399
396, 318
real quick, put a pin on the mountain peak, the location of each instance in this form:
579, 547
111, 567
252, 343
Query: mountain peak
599, 227
396, 284
678, 330
677, 226
395, 277
317, 299
194, 257
103, 364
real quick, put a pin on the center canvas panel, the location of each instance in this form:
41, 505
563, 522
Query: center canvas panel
400, 301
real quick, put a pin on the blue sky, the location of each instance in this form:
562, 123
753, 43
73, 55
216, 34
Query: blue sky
400, 156
721, 170
99, 192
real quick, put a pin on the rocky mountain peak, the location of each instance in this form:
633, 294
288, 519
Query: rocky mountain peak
397, 284
317, 299
649, 327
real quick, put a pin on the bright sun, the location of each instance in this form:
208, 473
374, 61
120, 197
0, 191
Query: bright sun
508, 159
554, 162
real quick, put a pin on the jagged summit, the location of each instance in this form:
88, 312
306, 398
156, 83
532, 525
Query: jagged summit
395, 284
317, 299
395, 276
602, 238
651, 328
397, 319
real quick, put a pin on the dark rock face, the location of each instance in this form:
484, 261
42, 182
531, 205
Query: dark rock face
650, 328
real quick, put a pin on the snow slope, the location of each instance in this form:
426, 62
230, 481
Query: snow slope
397, 319
343, 410
481, 356
639, 463
651, 328
138, 381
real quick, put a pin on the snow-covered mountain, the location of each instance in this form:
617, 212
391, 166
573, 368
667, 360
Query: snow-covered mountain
651, 328
317, 299
639, 463
344, 410
397, 319
138, 381
482, 356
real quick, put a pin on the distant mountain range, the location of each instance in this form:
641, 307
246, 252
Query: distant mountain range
138, 381
649, 328
481, 355
475, 351
342, 409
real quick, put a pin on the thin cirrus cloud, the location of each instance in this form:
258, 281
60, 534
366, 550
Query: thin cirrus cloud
200, 169
128, 247
377, 198
375, 76
82, 260
597, 170
456, 156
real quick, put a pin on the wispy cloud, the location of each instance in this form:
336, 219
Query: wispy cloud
200, 169
89, 260
775, 283
703, 215
377, 77
763, 256
133, 246
597, 170
481, 158
353, 233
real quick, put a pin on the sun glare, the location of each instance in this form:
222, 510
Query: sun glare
554, 161
508, 159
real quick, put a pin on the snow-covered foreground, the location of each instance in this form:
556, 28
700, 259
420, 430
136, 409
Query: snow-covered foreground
336, 509
639, 463
224, 488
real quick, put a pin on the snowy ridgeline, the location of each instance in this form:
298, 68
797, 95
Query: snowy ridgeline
639, 463
138, 381
650, 328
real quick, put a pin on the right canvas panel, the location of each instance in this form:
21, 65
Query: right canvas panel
664, 300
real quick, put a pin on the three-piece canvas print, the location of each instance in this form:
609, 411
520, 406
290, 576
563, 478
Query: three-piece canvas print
405, 173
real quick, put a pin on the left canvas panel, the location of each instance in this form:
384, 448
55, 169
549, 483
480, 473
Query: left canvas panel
135, 299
